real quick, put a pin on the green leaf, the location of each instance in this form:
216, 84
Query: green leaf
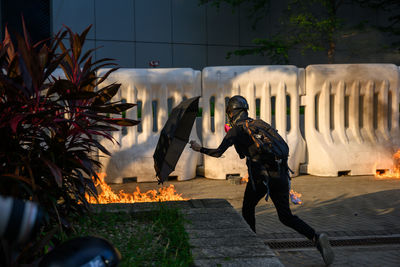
54, 43
76, 46
88, 81
82, 36
67, 58
121, 121
105, 94
90, 185
100, 146
55, 170
102, 128
8, 45
112, 108
26, 35
105, 65
103, 60
86, 55
78, 95
53, 65
106, 75
61, 87
17, 177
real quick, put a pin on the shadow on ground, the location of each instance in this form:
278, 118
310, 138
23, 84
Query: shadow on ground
373, 211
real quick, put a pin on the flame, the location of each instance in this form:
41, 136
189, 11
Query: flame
393, 173
108, 196
245, 179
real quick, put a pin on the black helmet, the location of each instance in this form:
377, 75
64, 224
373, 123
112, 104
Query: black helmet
236, 109
236, 102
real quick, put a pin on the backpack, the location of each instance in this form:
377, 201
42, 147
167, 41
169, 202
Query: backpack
268, 146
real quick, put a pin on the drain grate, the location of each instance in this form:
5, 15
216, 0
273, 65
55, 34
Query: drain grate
283, 244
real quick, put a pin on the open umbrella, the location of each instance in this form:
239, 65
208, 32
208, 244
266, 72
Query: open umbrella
174, 137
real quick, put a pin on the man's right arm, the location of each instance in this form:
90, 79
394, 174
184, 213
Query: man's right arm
214, 152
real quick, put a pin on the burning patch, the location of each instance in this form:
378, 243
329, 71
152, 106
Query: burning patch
392, 173
245, 179
108, 196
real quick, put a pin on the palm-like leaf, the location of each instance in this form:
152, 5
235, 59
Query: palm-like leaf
49, 128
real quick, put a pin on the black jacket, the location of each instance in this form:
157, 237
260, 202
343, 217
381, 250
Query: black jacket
236, 136
244, 146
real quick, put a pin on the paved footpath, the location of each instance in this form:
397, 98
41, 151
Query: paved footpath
361, 215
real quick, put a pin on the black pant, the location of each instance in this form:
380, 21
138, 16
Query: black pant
279, 193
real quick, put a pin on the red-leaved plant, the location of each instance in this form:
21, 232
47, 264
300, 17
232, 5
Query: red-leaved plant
50, 127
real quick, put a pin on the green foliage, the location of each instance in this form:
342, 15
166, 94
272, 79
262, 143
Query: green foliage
276, 49
257, 10
393, 26
306, 25
155, 238
50, 127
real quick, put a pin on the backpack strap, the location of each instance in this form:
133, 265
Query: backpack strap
251, 134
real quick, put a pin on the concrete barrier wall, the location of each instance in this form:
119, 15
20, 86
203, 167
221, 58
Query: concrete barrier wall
155, 91
352, 118
254, 83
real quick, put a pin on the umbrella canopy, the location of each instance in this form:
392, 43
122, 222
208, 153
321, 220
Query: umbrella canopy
174, 137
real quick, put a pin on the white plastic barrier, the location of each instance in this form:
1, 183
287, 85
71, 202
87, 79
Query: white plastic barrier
352, 118
252, 82
134, 156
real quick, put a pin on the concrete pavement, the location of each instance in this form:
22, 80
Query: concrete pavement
360, 214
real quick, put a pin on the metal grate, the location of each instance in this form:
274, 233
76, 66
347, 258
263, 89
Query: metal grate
335, 243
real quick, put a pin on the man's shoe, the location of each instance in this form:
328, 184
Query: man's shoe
325, 249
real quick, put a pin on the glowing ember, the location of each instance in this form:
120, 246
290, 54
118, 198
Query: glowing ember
395, 172
108, 196
244, 179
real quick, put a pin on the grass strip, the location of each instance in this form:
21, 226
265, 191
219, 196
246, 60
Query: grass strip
153, 238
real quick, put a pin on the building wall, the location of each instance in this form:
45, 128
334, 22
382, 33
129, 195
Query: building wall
181, 33
35, 13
